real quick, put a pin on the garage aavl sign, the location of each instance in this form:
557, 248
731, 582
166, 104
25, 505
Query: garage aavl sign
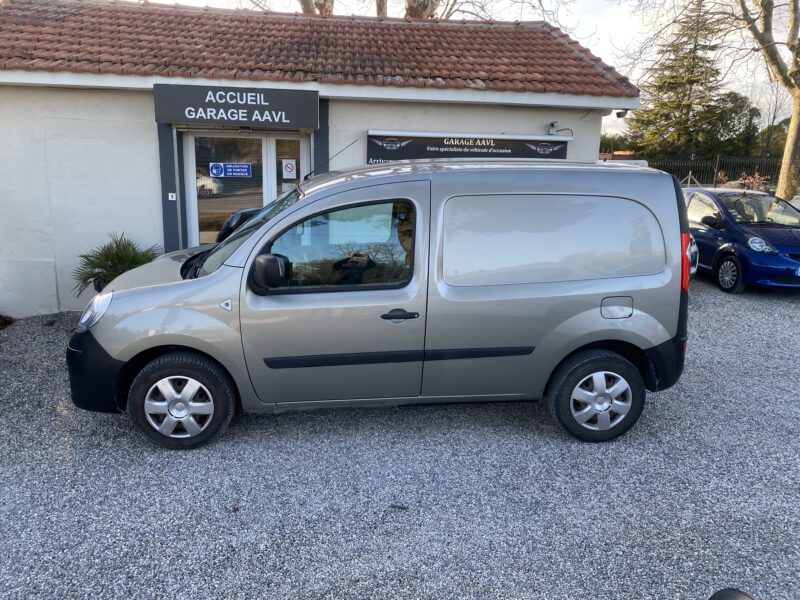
381, 148
241, 107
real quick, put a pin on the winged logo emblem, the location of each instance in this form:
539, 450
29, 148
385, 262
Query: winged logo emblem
390, 143
544, 147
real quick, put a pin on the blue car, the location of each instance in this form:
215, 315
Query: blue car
745, 238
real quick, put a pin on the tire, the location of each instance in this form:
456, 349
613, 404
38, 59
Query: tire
726, 267
184, 422
731, 594
584, 414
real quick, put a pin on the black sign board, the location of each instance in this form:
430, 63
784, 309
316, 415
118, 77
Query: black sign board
386, 148
239, 107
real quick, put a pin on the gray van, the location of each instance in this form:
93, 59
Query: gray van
411, 282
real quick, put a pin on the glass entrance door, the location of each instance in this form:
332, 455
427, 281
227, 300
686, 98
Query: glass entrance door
229, 177
226, 174
288, 164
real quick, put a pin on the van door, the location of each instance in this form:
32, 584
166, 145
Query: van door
349, 321
520, 277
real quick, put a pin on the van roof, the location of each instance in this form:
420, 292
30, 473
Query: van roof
445, 165
724, 190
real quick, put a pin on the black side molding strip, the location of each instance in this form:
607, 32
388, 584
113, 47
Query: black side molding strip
478, 353
338, 360
375, 358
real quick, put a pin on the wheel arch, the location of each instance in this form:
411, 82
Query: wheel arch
135, 364
728, 249
631, 352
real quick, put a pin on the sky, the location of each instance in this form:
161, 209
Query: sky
607, 27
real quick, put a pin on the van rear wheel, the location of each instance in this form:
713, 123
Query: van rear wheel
596, 395
182, 400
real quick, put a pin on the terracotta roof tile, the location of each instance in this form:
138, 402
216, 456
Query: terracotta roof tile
118, 37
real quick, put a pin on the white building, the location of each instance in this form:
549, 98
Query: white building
159, 121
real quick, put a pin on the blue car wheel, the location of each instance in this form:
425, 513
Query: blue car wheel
729, 275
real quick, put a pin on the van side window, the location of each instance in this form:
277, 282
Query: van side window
365, 246
531, 238
699, 207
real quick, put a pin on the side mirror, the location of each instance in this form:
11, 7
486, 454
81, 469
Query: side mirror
269, 271
711, 221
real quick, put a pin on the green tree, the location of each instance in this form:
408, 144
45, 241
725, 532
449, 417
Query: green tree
734, 122
610, 142
770, 28
772, 139
677, 118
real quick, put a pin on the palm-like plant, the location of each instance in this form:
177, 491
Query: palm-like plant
101, 265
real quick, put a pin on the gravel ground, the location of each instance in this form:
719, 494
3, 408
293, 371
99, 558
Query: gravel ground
469, 501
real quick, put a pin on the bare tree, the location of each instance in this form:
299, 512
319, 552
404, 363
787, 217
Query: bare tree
311, 7
307, 6
324, 7
759, 20
486, 10
775, 108
483, 10
421, 9
748, 28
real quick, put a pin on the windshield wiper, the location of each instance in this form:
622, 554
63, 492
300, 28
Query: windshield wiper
193, 264
198, 264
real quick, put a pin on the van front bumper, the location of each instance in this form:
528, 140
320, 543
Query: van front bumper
93, 374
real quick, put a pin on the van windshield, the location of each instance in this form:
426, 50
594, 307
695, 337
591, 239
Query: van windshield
223, 251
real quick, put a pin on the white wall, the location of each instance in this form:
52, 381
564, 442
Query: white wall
350, 120
74, 166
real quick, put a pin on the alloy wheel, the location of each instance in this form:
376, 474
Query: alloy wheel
179, 407
728, 274
601, 401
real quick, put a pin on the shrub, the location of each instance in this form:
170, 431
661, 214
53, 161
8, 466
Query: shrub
756, 181
100, 266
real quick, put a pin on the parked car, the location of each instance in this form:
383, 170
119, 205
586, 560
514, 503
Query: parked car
235, 221
745, 238
506, 280
694, 255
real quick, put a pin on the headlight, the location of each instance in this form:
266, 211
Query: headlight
760, 245
95, 311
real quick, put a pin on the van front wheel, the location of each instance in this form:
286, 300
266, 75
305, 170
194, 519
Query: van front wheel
596, 395
182, 400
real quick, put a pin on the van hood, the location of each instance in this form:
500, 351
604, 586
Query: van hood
777, 236
165, 269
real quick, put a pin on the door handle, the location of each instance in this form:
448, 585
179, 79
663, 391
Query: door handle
398, 314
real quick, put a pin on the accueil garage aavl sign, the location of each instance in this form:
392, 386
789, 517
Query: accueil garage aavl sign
239, 107
397, 146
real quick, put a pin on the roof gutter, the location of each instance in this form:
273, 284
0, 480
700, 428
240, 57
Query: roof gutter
326, 90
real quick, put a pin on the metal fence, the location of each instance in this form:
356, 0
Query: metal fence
723, 169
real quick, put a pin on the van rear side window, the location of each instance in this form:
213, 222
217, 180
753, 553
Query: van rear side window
506, 239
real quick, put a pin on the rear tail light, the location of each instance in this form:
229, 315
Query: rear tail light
686, 262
